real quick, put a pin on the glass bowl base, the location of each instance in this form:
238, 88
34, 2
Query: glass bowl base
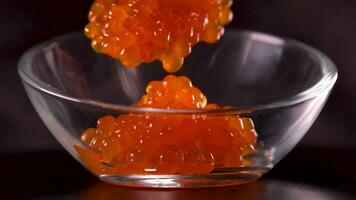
215, 179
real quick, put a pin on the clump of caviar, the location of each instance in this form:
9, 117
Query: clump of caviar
141, 31
168, 143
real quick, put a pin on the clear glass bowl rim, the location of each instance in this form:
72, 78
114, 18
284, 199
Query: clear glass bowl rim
325, 83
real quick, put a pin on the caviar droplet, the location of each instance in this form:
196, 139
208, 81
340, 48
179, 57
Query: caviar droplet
157, 28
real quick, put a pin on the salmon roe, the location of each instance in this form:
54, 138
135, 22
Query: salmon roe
141, 31
168, 143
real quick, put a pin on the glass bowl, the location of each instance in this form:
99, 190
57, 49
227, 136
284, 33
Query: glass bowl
280, 84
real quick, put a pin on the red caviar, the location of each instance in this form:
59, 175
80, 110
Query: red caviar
141, 31
168, 143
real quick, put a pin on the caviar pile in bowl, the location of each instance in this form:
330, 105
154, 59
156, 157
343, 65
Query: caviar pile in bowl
153, 143
141, 31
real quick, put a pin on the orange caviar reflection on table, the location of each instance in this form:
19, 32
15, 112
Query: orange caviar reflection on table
168, 143
141, 31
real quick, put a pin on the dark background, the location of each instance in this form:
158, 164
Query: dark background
328, 150
329, 25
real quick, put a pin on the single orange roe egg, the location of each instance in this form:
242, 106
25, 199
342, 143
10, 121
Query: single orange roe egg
141, 31
168, 143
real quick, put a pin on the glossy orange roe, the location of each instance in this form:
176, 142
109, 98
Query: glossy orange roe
168, 143
141, 31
